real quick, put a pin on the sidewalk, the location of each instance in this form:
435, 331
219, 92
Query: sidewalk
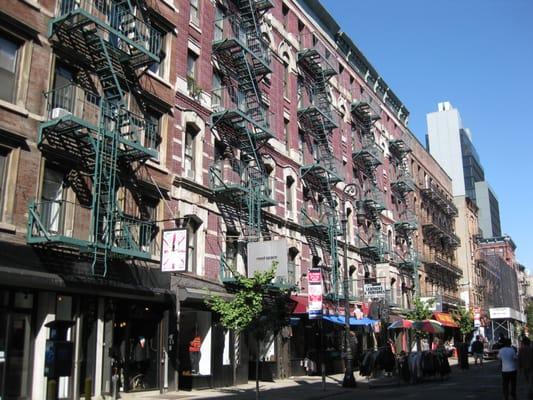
299, 388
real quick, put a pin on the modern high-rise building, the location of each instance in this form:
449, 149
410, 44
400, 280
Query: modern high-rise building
451, 144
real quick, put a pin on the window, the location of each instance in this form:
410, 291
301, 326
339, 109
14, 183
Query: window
271, 180
152, 133
191, 72
301, 141
52, 201
158, 68
219, 24
285, 12
192, 231
289, 197
190, 135
286, 132
9, 51
195, 12
216, 97
4, 157
291, 266
147, 233
286, 89
63, 98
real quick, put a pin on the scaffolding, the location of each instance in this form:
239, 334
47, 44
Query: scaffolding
91, 125
240, 118
318, 121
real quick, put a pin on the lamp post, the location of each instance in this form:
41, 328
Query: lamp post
349, 379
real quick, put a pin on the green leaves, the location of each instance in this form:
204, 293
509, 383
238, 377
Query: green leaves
465, 319
420, 310
256, 306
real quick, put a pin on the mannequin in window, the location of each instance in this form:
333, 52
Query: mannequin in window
194, 353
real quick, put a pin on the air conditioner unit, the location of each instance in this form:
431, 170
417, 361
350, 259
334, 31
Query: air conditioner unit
59, 112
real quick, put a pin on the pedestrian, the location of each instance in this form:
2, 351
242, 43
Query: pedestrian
477, 350
508, 357
525, 360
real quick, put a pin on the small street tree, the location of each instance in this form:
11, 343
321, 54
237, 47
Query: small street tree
464, 318
257, 308
420, 311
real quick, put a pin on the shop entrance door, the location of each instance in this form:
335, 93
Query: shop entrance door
14, 351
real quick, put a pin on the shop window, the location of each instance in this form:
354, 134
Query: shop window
9, 60
191, 133
195, 343
4, 158
194, 15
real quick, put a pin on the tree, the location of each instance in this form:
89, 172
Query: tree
465, 319
529, 314
257, 307
419, 312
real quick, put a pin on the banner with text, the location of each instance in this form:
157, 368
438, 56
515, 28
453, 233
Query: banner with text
315, 292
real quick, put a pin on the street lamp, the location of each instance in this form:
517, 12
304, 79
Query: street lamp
349, 379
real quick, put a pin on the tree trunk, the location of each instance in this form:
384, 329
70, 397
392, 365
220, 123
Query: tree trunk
257, 370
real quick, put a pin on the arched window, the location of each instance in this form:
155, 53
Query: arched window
286, 68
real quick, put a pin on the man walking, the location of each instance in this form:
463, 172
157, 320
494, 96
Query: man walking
508, 357
477, 350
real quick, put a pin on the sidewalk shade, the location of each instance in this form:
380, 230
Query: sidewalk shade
353, 321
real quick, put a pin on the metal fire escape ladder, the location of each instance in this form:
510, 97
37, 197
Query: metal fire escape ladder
324, 174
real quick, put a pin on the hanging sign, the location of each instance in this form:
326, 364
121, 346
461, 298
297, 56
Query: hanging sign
315, 292
374, 290
174, 250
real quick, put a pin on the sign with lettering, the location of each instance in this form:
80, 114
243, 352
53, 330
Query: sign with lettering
314, 293
261, 256
374, 290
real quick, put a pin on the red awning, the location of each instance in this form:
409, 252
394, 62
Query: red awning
301, 304
445, 319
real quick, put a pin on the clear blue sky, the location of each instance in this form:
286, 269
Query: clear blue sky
478, 54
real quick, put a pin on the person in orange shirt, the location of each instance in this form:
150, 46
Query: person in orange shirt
195, 354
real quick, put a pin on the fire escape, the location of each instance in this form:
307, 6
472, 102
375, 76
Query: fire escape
367, 156
406, 225
240, 118
320, 225
90, 125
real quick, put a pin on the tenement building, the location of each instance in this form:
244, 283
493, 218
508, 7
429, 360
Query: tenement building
224, 123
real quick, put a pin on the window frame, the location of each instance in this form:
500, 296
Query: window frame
194, 17
20, 44
5, 154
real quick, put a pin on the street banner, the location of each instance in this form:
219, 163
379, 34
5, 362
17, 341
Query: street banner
315, 292
477, 317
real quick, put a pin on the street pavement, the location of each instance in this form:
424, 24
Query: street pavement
474, 383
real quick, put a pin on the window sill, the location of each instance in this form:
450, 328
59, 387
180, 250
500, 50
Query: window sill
9, 228
15, 108
160, 79
196, 26
156, 165
170, 4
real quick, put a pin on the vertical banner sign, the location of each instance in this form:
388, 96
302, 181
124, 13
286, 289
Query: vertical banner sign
314, 290
477, 317
174, 250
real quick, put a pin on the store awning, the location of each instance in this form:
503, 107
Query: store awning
353, 321
445, 319
301, 304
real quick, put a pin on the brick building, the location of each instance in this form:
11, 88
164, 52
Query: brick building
234, 121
